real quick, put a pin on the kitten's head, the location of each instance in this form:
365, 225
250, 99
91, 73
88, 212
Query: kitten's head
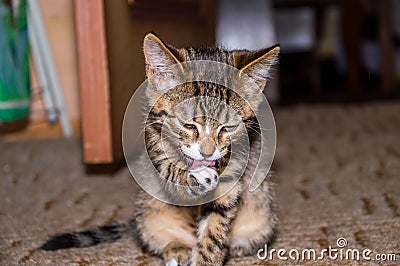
200, 120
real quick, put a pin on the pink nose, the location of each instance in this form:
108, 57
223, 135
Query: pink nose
207, 147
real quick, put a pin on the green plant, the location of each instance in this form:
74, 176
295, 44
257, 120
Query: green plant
14, 61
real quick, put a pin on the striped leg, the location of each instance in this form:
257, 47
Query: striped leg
214, 229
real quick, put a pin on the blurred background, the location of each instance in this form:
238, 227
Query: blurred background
69, 67
332, 51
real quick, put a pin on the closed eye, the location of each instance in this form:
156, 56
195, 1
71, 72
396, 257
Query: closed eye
186, 125
228, 128
190, 127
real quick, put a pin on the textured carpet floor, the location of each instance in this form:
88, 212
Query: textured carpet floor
337, 174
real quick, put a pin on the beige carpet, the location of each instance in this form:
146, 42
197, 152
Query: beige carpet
337, 171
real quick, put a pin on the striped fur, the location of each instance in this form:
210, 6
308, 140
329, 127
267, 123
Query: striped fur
240, 222
180, 135
107, 233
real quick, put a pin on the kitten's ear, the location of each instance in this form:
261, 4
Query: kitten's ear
159, 55
258, 64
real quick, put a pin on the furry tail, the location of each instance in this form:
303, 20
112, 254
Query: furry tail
108, 233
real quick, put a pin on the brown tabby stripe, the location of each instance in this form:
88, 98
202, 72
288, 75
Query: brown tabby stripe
218, 242
162, 113
218, 208
206, 257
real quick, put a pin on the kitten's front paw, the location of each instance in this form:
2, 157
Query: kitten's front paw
176, 254
202, 180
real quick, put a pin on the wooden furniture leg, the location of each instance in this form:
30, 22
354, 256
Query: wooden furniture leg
352, 41
94, 81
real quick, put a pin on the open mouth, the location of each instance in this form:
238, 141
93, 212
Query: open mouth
197, 163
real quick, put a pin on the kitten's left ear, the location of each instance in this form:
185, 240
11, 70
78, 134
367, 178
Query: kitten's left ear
258, 64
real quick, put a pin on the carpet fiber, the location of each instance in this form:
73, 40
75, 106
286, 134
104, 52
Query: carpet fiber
337, 170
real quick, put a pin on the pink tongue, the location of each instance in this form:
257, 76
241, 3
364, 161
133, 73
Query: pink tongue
202, 162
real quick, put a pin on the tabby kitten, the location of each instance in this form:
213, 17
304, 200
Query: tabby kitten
195, 156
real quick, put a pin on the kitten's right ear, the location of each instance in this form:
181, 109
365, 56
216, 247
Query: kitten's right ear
257, 65
159, 55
